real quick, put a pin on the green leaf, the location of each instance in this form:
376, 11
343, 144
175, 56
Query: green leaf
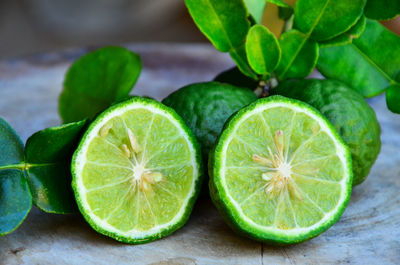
368, 65
280, 3
256, 8
224, 23
382, 9
285, 13
393, 98
347, 37
96, 80
299, 55
355, 68
382, 46
325, 19
340, 40
11, 146
358, 29
262, 49
48, 158
15, 200
234, 77
240, 58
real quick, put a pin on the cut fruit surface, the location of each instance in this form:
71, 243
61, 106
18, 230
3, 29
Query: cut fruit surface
136, 172
280, 173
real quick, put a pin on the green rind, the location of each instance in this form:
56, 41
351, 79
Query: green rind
348, 112
48, 157
197, 186
227, 209
205, 107
235, 77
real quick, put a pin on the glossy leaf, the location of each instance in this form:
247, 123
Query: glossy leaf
358, 29
368, 65
285, 13
224, 23
340, 40
48, 158
234, 77
96, 80
262, 49
354, 68
280, 3
393, 98
240, 58
256, 8
347, 37
382, 46
325, 19
382, 9
11, 146
299, 55
15, 200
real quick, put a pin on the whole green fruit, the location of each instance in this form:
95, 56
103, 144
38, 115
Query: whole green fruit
234, 77
349, 113
205, 107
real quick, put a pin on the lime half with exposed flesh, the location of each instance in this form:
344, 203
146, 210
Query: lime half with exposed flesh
280, 173
136, 172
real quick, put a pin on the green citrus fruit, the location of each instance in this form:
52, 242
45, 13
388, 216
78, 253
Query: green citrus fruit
349, 113
136, 172
235, 77
205, 107
279, 172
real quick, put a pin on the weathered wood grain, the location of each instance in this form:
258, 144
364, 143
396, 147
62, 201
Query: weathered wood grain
368, 232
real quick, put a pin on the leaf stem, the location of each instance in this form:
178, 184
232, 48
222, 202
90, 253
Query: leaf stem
25, 166
20, 166
28, 166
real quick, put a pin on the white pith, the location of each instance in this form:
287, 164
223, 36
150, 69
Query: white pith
285, 170
81, 159
138, 171
278, 171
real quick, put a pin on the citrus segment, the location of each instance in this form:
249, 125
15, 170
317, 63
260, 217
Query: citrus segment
136, 172
280, 172
348, 112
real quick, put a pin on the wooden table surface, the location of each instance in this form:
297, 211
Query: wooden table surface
367, 233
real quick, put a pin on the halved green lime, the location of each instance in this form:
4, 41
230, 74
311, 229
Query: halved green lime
280, 173
136, 172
